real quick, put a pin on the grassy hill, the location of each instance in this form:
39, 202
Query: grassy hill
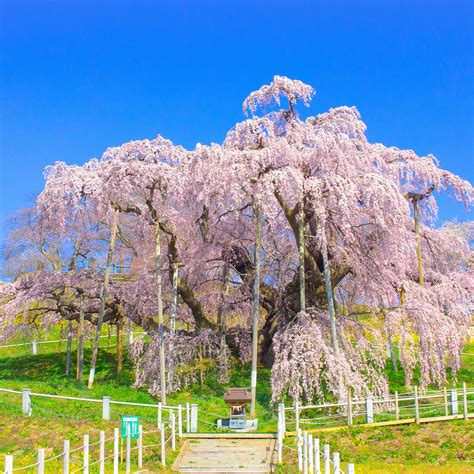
436, 448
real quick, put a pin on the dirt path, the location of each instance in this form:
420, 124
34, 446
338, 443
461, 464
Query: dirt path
225, 456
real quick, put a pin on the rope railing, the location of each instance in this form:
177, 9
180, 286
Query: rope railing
84, 460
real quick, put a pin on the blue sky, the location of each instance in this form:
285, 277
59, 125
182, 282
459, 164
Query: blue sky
79, 76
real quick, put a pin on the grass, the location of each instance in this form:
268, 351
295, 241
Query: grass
416, 449
430, 448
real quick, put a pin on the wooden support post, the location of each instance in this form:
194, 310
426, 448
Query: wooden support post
8, 464
188, 417
299, 446
255, 310
305, 452
34, 348
140, 446
350, 469
160, 414
68, 348
116, 450
103, 299
180, 421
446, 410
349, 408
327, 459
66, 456
80, 342
163, 445
397, 408
127, 452
120, 342
102, 452
85, 466
336, 463
106, 408
454, 402
464, 400
317, 456
40, 461
26, 402
417, 408
369, 410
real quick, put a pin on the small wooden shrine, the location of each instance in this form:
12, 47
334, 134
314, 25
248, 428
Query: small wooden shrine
237, 399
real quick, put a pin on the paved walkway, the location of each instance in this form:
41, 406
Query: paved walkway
225, 456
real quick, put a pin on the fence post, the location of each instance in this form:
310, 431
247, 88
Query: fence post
130, 338
163, 447
317, 456
336, 462
188, 418
464, 399
349, 408
454, 402
106, 408
140, 446
350, 469
310, 454
116, 450
160, 414
446, 411
305, 452
8, 464
85, 468
299, 446
417, 409
369, 410
127, 453
173, 431
194, 418
297, 415
34, 348
66, 456
327, 459
26, 402
180, 421
280, 439
40, 461
397, 409
102, 452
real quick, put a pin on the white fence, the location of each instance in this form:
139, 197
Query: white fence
114, 455
407, 407
189, 411
35, 343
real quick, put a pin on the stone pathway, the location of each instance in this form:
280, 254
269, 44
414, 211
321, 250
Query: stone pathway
225, 456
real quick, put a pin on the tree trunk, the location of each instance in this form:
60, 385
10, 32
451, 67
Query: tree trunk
105, 288
160, 312
80, 343
418, 242
329, 293
256, 309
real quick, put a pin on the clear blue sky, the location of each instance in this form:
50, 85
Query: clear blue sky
79, 76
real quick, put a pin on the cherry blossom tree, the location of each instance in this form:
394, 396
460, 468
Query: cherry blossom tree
337, 238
